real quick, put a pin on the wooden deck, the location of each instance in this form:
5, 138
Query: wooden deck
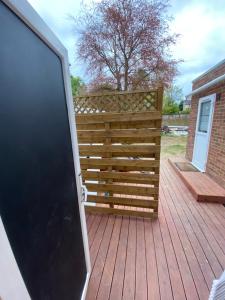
202, 187
174, 257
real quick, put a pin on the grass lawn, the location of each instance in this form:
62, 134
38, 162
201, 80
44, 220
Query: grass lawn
172, 145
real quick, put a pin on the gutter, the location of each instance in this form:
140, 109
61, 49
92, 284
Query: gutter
210, 70
207, 85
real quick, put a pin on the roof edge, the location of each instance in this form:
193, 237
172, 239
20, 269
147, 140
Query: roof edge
209, 70
207, 85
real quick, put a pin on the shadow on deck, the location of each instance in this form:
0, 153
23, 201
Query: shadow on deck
174, 257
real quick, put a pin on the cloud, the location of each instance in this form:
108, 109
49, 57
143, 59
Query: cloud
200, 23
56, 15
201, 44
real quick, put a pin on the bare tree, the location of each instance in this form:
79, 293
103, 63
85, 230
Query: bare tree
125, 43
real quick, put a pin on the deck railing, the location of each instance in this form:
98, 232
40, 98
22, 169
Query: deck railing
120, 151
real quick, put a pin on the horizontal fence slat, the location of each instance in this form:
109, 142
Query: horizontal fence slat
122, 168
123, 201
121, 177
122, 189
119, 150
119, 155
123, 212
97, 149
105, 162
118, 133
115, 93
120, 125
116, 117
129, 140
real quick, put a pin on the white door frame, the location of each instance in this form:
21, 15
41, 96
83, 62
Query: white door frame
30, 17
212, 98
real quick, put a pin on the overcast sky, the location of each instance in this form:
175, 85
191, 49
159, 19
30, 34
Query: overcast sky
201, 24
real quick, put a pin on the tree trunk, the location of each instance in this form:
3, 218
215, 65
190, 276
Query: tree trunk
126, 75
118, 85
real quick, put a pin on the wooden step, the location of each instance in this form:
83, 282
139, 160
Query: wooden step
203, 188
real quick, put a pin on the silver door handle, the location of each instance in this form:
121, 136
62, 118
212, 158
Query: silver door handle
84, 193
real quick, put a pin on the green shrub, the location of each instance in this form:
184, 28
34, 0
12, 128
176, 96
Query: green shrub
186, 111
171, 108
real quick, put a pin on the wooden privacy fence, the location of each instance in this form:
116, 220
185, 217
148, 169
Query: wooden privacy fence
119, 145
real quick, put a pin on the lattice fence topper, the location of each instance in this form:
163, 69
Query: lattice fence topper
138, 101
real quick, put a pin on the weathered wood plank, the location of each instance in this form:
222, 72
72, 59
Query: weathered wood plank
123, 201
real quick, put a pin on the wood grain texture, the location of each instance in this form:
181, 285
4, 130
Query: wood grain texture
173, 257
119, 134
122, 189
121, 212
118, 149
105, 162
141, 178
120, 125
128, 201
117, 117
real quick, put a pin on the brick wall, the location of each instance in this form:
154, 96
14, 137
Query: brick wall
216, 156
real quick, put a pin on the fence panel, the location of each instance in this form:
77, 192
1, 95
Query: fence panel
120, 151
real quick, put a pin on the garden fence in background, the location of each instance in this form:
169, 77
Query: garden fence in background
175, 119
119, 145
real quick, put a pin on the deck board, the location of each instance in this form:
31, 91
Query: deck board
174, 257
203, 187
141, 290
201, 271
130, 266
118, 276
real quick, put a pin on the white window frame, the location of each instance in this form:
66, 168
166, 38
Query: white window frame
31, 18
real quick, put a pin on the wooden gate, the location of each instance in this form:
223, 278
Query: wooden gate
119, 145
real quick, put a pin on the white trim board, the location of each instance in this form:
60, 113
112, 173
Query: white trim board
207, 85
30, 17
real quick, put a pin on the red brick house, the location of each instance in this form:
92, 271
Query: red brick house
206, 140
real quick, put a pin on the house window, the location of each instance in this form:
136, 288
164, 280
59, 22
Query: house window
204, 117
